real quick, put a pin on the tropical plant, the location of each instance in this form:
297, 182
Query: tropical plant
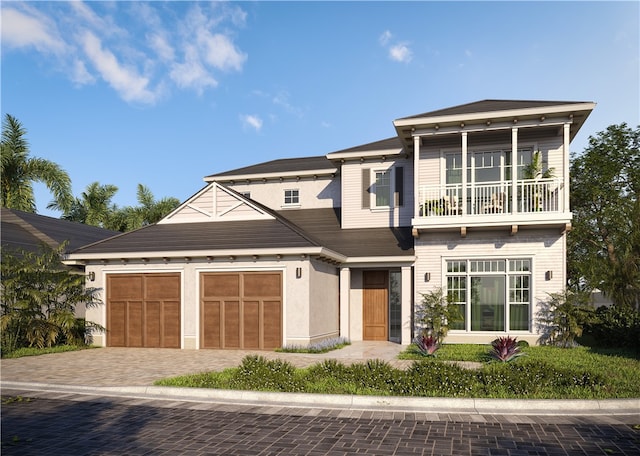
505, 349
535, 169
604, 243
435, 314
562, 317
19, 171
427, 345
39, 300
93, 207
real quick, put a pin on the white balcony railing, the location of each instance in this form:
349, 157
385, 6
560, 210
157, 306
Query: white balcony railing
542, 195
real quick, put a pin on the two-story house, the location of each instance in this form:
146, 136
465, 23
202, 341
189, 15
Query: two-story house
473, 199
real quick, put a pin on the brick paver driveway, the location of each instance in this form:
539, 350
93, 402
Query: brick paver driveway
69, 425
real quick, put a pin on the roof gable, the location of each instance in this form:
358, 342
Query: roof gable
216, 203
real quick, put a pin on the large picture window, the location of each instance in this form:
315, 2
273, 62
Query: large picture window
491, 294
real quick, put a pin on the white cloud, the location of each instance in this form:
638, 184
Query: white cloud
385, 37
141, 50
220, 52
400, 53
161, 46
131, 86
22, 29
251, 121
192, 74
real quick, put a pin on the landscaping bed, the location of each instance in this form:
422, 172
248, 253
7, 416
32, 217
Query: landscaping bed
541, 373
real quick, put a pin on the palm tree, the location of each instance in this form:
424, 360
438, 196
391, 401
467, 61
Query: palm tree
94, 206
153, 211
19, 172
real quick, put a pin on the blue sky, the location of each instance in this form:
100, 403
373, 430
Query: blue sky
165, 93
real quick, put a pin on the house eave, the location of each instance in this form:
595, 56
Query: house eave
262, 177
192, 255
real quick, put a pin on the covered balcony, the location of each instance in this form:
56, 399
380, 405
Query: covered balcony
525, 202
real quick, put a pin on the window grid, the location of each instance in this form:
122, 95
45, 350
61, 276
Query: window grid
292, 196
489, 311
383, 188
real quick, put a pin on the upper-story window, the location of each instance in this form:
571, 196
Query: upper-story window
291, 197
382, 188
485, 166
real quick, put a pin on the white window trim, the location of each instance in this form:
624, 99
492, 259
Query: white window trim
392, 185
285, 204
506, 273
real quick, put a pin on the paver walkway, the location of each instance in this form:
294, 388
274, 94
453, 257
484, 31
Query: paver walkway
142, 366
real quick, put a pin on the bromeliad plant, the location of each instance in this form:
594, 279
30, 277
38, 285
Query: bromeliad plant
505, 349
427, 345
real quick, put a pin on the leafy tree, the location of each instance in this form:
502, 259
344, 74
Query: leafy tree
39, 299
19, 171
150, 210
604, 245
93, 207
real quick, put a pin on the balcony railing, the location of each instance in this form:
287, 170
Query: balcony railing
532, 196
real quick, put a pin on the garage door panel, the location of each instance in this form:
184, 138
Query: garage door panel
116, 324
211, 316
251, 320
124, 287
134, 324
171, 324
221, 285
256, 285
153, 326
231, 324
272, 324
162, 286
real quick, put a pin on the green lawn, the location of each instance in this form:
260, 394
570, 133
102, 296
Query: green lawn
543, 373
33, 351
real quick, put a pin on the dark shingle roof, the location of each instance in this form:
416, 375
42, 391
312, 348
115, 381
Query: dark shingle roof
282, 165
384, 144
293, 228
489, 106
324, 226
25, 230
204, 236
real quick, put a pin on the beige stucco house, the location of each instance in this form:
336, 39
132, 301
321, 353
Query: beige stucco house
294, 251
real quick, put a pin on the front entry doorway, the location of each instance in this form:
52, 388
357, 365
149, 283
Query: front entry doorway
375, 302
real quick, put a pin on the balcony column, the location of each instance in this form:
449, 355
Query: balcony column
463, 197
417, 198
565, 167
514, 170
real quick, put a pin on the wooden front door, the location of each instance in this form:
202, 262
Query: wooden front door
375, 302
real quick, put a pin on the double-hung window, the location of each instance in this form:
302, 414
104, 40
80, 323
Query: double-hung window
491, 294
383, 188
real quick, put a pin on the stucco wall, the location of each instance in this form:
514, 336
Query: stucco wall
297, 314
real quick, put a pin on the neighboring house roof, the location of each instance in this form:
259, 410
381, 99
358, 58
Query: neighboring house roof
27, 231
280, 166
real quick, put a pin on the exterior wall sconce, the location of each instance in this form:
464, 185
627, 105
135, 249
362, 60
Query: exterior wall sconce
427, 276
548, 275
298, 273
91, 276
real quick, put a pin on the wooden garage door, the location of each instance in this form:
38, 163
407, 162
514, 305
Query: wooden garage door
241, 310
143, 310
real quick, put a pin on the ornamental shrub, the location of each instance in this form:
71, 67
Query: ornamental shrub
615, 326
257, 373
